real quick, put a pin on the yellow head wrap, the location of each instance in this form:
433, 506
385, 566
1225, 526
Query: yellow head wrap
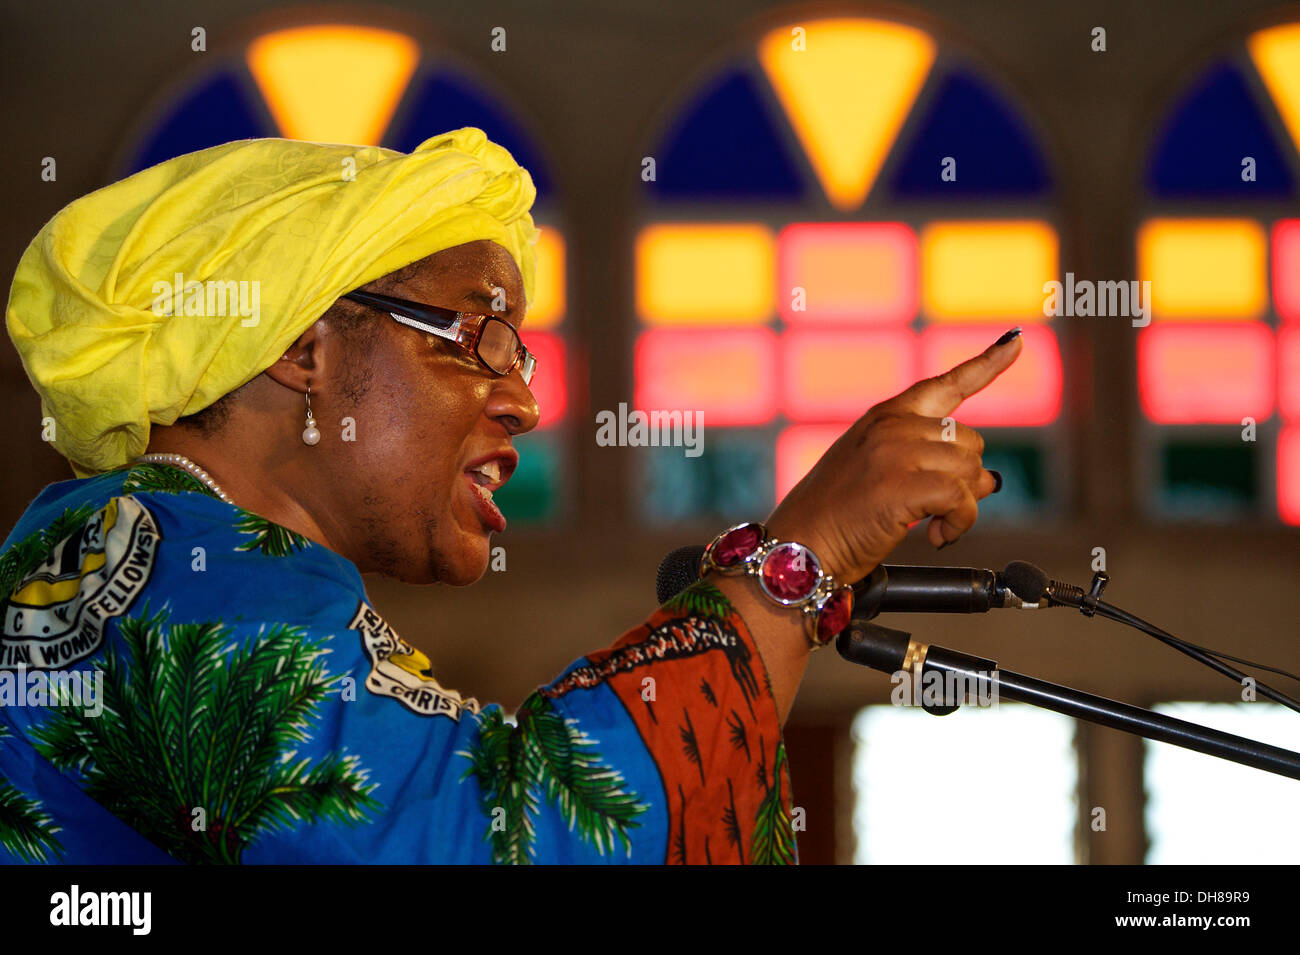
306, 222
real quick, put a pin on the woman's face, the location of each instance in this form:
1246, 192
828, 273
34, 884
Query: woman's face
433, 427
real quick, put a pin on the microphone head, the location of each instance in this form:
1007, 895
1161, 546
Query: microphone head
1025, 581
677, 571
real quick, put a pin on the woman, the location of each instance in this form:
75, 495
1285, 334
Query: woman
214, 683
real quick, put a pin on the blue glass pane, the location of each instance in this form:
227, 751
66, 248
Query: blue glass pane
725, 145
442, 101
532, 494
732, 480
1201, 148
216, 111
1207, 480
1023, 481
996, 154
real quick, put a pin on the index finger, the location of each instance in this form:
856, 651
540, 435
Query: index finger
939, 396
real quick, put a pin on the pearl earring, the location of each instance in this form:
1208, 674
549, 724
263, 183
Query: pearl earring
310, 434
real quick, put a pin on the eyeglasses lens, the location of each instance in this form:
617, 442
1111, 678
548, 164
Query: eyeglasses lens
498, 347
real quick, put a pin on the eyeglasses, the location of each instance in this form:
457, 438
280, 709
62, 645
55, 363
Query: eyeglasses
492, 340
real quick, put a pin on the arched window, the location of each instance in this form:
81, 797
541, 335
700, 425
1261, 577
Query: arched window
834, 211
347, 83
1219, 241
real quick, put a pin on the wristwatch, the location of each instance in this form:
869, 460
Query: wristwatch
788, 573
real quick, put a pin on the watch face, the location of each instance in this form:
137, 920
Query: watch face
790, 573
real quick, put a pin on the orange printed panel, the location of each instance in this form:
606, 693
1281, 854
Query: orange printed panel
1286, 269
1206, 374
1288, 373
1288, 474
1027, 394
798, 448
832, 375
848, 272
727, 375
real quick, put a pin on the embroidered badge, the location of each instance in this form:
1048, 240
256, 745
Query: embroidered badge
399, 670
57, 612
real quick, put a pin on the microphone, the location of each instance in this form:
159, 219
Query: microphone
1026, 581
1033, 586
898, 588
677, 571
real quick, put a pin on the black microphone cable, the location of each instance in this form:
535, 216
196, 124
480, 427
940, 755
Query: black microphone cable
1031, 585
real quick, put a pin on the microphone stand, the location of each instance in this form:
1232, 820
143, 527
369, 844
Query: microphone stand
891, 651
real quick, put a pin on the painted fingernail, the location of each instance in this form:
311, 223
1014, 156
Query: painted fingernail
1007, 336
997, 480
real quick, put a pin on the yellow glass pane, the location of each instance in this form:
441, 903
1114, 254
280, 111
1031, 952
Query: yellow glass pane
846, 86
332, 83
1204, 268
1276, 53
547, 308
705, 274
987, 269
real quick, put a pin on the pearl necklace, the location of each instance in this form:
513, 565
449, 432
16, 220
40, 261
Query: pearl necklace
185, 464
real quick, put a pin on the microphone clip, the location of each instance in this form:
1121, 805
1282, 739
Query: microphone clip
1088, 605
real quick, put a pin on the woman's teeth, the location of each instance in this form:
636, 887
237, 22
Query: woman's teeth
489, 473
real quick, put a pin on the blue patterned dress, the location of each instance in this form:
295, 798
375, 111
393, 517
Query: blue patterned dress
183, 680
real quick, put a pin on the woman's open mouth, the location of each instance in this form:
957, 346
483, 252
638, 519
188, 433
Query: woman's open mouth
484, 478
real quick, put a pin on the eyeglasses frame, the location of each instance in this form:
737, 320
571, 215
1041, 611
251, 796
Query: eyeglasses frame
463, 328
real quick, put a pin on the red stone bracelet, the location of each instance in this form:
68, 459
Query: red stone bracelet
788, 573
